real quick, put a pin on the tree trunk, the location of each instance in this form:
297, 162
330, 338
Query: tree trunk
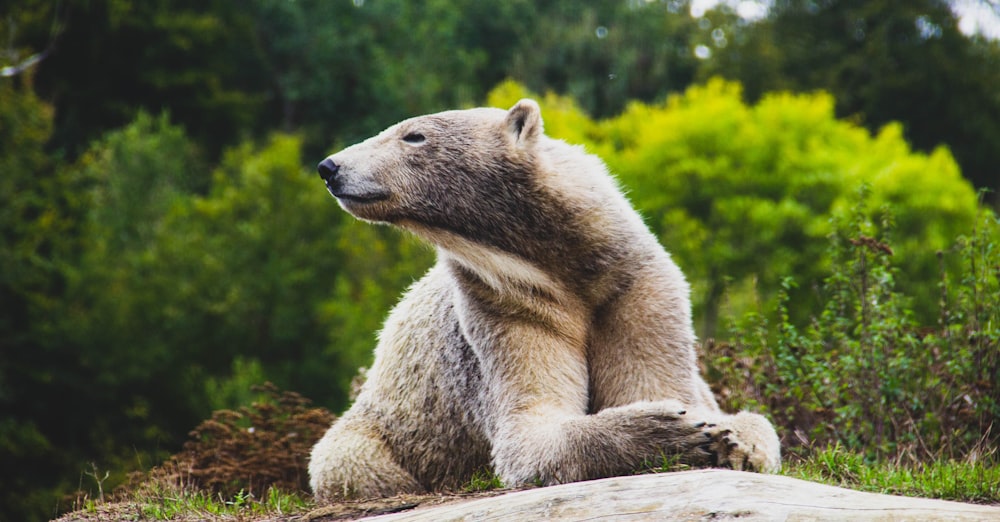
692, 495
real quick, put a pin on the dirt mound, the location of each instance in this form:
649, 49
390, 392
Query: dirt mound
252, 449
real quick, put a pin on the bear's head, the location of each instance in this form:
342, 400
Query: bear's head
488, 187
465, 172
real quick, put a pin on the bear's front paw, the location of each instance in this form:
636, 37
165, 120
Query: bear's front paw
746, 442
702, 443
665, 429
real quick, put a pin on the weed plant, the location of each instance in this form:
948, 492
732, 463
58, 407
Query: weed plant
863, 376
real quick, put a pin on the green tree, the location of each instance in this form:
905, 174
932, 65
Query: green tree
380, 60
227, 71
343, 70
883, 61
108, 60
604, 54
259, 259
170, 291
65, 380
36, 233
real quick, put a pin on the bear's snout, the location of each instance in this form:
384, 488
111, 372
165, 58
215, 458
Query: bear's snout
327, 169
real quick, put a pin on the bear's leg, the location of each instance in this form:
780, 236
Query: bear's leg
536, 396
351, 461
643, 349
556, 447
642, 346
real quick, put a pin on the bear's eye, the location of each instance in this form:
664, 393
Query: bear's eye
414, 138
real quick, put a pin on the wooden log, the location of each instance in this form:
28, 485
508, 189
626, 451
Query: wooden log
696, 495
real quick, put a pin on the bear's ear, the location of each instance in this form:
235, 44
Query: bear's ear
524, 122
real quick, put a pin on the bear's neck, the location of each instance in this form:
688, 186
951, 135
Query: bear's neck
576, 269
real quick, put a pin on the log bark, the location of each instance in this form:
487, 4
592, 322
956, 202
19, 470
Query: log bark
696, 495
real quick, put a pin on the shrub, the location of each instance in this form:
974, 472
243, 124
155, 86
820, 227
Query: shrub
864, 373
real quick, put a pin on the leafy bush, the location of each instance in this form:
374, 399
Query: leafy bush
864, 373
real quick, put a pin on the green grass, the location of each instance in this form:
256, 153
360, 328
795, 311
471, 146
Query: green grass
663, 464
160, 502
943, 479
483, 480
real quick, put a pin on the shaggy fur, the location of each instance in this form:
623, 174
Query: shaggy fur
552, 340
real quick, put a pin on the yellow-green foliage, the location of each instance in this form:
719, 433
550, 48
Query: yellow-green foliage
743, 195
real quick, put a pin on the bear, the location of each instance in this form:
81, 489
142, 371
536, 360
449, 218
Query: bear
552, 340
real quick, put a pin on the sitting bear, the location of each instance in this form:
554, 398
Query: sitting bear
551, 341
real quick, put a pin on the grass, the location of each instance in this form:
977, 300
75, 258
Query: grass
159, 501
172, 504
977, 482
483, 480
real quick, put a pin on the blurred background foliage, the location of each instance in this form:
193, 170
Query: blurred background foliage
163, 245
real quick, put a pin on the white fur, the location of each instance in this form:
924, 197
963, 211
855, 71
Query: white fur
544, 367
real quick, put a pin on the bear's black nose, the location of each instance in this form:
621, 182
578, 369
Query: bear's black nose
327, 169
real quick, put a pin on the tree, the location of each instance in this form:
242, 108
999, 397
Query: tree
337, 70
108, 60
883, 61
604, 54
34, 218
61, 406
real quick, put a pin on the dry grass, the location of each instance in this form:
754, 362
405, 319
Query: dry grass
241, 464
251, 450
